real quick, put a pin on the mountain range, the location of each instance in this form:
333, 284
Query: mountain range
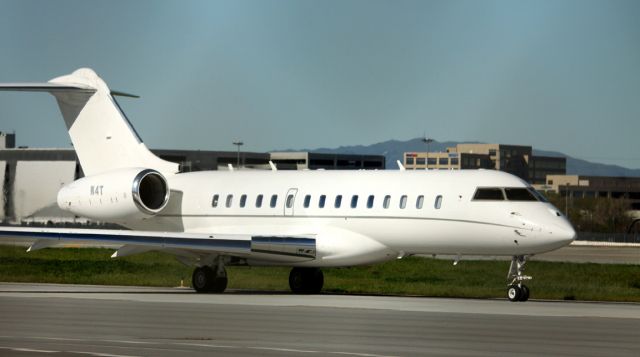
394, 149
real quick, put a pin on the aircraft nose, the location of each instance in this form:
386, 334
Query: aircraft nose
568, 234
564, 233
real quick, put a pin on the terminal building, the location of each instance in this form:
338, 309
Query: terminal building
515, 159
31, 177
576, 186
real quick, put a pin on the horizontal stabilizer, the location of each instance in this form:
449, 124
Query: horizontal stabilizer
46, 87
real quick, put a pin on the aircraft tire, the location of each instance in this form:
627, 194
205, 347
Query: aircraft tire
524, 296
306, 280
218, 283
202, 279
514, 292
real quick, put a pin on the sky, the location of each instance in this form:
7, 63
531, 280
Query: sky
561, 75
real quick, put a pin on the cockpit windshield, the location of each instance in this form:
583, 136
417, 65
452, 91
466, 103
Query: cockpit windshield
489, 194
508, 193
519, 194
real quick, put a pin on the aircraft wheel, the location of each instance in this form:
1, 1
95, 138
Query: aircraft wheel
524, 296
306, 280
219, 283
514, 292
202, 279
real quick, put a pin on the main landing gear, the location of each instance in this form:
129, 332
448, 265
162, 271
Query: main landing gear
516, 290
306, 280
206, 279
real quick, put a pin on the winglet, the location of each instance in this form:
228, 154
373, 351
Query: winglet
400, 167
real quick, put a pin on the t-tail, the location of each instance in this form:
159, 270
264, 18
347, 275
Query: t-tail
102, 136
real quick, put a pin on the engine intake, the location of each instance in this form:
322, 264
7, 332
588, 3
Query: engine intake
122, 195
150, 191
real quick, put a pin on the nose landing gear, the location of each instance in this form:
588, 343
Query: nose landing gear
516, 290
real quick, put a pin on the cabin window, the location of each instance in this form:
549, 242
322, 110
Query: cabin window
243, 201
229, 201
307, 201
214, 200
386, 202
438, 203
290, 201
322, 201
338, 201
420, 202
403, 201
354, 201
489, 194
274, 201
519, 194
370, 201
259, 201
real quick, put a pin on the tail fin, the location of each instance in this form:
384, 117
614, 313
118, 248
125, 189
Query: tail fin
102, 135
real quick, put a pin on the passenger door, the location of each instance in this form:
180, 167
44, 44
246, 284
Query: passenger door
289, 201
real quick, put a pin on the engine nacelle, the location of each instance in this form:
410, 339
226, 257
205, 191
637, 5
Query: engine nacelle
121, 195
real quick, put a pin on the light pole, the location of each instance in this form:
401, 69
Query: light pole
427, 141
566, 201
238, 143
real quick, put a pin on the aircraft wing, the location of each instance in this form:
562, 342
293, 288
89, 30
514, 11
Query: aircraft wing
263, 247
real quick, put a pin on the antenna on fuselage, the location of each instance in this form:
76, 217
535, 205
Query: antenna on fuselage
400, 167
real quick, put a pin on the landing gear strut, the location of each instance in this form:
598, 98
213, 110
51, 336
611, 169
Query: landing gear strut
306, 280
207, 280
516, 290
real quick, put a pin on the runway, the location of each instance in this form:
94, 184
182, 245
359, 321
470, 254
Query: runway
39, 319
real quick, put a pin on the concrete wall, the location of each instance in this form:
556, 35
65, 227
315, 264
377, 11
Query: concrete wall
36, 189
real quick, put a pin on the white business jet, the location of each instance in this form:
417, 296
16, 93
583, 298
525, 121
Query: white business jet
303, 219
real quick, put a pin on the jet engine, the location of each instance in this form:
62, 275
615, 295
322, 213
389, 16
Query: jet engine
121, 195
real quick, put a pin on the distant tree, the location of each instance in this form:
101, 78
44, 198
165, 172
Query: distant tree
601, 214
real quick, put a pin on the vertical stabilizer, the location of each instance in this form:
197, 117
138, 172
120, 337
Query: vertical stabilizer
102, 136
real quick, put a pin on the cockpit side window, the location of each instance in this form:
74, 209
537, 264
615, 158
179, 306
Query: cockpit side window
519, 194
538, 195
488, 194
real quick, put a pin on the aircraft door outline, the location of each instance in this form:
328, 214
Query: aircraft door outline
289, 201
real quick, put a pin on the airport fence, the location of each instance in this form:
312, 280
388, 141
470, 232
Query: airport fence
609, 237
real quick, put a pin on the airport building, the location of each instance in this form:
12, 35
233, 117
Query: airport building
31, 177
321, 161
515, 159
595, 186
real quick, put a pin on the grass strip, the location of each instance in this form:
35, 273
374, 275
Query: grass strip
410, 276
